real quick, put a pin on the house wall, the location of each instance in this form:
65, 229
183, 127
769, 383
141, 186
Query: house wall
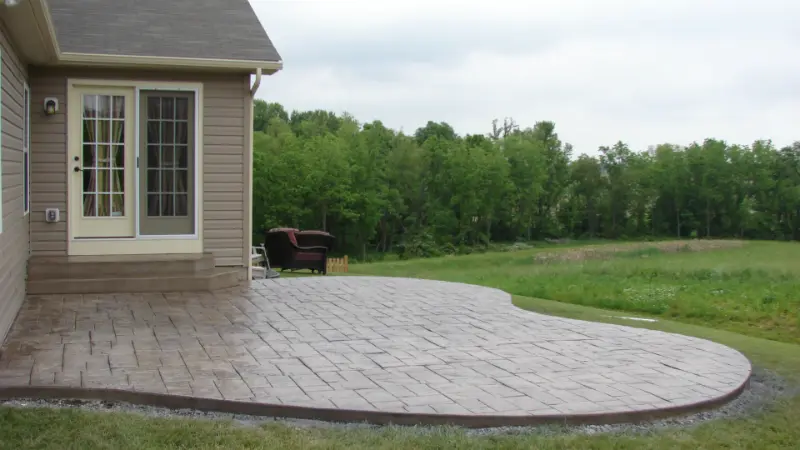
14, 237
225, 199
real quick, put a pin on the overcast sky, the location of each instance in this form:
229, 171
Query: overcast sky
643, 71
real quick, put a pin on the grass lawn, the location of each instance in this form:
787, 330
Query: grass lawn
746, 275
750, 289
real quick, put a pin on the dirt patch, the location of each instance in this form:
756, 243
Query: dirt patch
607, 251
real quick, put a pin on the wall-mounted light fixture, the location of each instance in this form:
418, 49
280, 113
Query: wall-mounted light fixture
50, 106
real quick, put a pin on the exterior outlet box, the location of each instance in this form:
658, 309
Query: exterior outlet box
51, 215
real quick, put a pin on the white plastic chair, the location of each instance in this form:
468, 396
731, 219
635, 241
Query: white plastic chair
258, 254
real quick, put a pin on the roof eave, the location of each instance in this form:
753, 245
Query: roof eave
48, 30
31, 29
133, 61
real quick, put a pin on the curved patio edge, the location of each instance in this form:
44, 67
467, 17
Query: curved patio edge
363, 349
177, 402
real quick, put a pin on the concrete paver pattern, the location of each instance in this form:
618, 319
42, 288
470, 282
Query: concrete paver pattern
362, 343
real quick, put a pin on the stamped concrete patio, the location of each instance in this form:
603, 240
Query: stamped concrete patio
379, 346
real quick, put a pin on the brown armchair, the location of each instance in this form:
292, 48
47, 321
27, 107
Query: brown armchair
315, 238
283, 251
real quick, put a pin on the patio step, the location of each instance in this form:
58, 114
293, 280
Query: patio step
118, 266
127, 273
204, 280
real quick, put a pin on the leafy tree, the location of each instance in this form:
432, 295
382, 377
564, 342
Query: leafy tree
435, 192
264, 112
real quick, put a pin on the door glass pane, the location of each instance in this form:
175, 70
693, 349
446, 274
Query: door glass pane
153, 208
103, 205
181, 205
167, 132
118, 181
118, 156
88, 156
182, 133
89, 106
182, 108
103, 164
167, 125
89, 205
167, 156
104, 106
103, 180
88, 180
104, 131
167, 207
168, 108
117, 131
153, 108
153, 131
153, 181
167, 181
181, 181
118, 108
102, 156
181, 156
153, 158
89, 130
118, 204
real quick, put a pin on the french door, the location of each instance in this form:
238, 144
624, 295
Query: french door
119, 191
166, 165
102, 160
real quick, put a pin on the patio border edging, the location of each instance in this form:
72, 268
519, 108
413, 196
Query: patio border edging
172, 401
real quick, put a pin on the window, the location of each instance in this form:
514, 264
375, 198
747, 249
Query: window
26, 145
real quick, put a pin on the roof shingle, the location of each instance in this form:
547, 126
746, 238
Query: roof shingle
205, 29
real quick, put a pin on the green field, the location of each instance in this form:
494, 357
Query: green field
752, 288
740, 296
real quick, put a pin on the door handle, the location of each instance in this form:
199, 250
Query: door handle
77, 169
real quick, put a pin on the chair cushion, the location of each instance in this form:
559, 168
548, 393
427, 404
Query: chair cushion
308, 256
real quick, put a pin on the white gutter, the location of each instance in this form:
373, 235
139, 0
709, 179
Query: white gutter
256, 83
130, 61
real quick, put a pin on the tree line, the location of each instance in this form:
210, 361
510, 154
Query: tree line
431, 192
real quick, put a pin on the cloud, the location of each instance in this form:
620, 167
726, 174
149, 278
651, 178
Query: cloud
641, 71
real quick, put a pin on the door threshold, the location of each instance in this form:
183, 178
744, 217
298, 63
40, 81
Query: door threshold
76, 238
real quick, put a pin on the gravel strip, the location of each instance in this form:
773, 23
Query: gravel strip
765, 389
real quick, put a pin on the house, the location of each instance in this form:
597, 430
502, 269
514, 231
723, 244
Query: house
126, 145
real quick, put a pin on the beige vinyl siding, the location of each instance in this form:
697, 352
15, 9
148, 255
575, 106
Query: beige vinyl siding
224, 172
223, 169
48, 166
14, 237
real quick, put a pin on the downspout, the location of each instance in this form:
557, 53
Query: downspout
256, 83
249, 162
